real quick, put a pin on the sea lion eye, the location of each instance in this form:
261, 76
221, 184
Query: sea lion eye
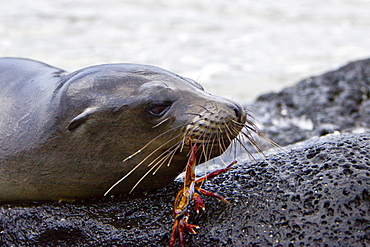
159, 109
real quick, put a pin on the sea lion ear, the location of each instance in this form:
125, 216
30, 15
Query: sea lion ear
81, 118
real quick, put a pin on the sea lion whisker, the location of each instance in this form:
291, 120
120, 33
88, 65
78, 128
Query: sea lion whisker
258, 147
205, 149
163, 121
245, 149
231, 130
219, 128
212, 104
158, 148
205, 108
271, 142
193, 114
220, 142
173, 152
139, 164
158, 165
208, 146
202, 137
141, 179
169, 155
163, 157
252, 126
212, 145
228, 133
220, 145
227, 140
162, 154
236, 123
161, 161
219, 139
204, 141
249, 124
203, 152
183, 142
151, 141
234, 131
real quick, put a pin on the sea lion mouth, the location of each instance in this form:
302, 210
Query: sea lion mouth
210, 144
211, 141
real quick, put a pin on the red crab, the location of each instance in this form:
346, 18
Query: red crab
191, 191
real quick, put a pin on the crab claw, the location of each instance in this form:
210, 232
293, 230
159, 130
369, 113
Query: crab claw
199, 203
181, 226
188, 227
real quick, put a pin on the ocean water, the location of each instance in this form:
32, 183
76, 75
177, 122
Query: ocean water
238, 49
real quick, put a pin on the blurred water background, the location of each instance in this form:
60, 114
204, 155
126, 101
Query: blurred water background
237, 49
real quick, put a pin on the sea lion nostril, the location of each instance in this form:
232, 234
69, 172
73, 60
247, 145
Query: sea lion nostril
238, 112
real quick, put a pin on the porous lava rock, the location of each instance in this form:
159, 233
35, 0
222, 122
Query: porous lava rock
316, 193
336, 101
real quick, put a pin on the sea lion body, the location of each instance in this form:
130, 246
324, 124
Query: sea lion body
65, 135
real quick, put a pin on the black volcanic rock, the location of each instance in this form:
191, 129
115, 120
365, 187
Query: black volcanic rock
317, 193
336, 101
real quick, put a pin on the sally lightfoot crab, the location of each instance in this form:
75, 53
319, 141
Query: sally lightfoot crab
191, 191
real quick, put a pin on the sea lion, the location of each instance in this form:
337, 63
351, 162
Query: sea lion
73, 135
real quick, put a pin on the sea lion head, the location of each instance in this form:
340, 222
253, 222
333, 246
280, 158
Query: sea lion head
139, 120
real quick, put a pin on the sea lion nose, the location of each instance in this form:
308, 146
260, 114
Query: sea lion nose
239, 112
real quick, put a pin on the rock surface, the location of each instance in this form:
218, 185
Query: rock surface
336, 101
317, 193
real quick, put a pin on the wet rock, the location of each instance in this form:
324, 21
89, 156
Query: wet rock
317, 193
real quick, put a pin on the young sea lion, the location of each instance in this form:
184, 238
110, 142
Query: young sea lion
65, 135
